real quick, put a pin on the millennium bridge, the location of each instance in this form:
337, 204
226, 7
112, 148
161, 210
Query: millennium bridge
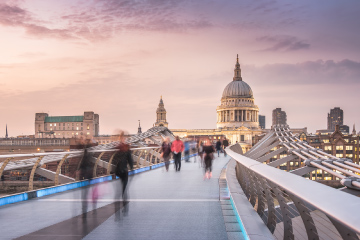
246, 198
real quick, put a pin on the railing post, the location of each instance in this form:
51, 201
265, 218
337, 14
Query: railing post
288, 229
260, 193
305, 217
252, 188
96, 164
4, 165
31, 179
56, 182
271, 218
345, 233
108, 170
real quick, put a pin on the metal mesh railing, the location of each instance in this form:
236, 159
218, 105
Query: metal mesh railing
296, 208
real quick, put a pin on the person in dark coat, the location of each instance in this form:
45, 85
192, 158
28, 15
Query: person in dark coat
225, 144
218, 147
122, 159
208, 158
166, 152
85, 172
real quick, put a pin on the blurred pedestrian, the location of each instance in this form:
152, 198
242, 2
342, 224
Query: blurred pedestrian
166, 152
122, 159
225, 145
201, 152
177, 147
187, 150
208, 158
218, 147
84, 172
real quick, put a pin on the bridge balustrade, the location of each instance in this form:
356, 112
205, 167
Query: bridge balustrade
293, 207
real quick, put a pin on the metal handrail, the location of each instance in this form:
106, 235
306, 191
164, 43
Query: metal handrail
343, 207
67, 152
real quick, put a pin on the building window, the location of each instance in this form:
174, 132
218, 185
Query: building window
326, 148
349, 155
341, 147
339, 155
349, 147
326, 140
87, 133
63, 124
77, 128
88, 127
50, 124
242, 138
55, 124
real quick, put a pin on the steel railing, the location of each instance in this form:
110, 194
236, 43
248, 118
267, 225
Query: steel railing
293, 207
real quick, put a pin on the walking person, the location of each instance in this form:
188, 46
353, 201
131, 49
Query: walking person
187, 151
84, 172
218, 147
225, 144
122, 159
166, 152
208, 158
177, 147
200, 153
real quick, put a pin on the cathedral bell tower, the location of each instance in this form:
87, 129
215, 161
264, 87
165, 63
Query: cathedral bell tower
161, 115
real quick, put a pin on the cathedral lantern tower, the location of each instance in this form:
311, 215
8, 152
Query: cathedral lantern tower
161, 115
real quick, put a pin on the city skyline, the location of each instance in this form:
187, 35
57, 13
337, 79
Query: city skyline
118, 58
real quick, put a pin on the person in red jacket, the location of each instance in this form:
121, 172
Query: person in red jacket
177, 147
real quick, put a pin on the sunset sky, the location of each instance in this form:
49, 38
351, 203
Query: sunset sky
117, 58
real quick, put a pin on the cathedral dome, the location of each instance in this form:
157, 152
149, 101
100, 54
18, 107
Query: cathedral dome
237, 89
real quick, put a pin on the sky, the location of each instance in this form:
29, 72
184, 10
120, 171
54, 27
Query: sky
117, 58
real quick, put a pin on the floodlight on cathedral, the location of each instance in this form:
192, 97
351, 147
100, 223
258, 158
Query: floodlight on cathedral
237, 104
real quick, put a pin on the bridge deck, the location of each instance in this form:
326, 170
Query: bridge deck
163, 205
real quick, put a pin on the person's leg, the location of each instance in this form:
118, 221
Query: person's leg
167, 163
179, 161
176, 162
124, 180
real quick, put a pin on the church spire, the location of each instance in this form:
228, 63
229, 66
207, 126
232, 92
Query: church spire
6, 135
354, 131
139, 128
161, 115
237, 70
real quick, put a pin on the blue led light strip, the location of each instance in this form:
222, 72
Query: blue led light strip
13, 199
243, 231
